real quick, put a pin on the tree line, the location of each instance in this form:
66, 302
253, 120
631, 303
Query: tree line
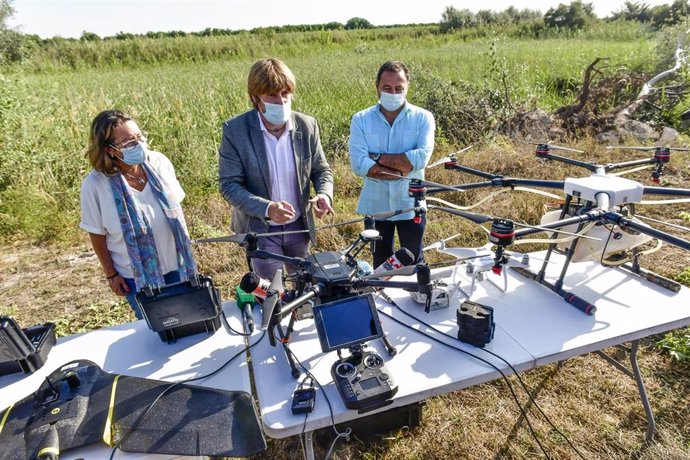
577, 15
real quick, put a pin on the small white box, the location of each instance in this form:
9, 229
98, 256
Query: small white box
619, 190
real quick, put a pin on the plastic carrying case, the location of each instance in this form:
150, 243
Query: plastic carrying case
181, 309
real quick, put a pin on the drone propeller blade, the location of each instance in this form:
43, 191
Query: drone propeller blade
441, 243
549, 146
567, 149
448, 158
237, 238
623, 147
439, 162
275, 289
389, 214
669, 224
552, 230
468, 253
338, 224
476, 218
444, 186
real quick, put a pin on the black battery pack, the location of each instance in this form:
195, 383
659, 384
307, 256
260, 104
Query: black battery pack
303, 400
475, 323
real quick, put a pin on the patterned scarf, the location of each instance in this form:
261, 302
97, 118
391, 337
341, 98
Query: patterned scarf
138, 235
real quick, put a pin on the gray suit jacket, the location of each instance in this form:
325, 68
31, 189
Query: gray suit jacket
245, 178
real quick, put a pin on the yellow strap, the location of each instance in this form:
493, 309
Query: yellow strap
4, 417
107, 434
48, 450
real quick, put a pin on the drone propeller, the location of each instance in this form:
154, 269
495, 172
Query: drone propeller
647, 149
467, 253
239, 238
483, 218
441, 244
274, 292
448, 158
551, 146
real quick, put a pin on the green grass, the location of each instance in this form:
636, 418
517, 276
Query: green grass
45, 116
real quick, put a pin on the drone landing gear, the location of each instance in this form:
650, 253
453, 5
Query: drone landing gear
652, 277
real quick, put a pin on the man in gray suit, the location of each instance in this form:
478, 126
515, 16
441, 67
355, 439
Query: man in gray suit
268, 158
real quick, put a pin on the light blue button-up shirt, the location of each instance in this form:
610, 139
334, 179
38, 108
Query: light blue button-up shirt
412, 133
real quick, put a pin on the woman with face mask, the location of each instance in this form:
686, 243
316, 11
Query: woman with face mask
130, 206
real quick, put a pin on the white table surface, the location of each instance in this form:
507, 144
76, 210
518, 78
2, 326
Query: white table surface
132, 349
534, 326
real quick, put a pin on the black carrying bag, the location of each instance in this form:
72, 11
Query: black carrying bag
181, 309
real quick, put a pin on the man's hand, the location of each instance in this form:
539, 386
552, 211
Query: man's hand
397, 161
321, 205
379, 171
280, 211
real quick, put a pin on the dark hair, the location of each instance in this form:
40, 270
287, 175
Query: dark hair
100, 137
392, 66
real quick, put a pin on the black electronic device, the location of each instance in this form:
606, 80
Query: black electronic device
181, 309
475, 323
303, 400
347, 322
24, 350
362, 379
80, 404
330, 267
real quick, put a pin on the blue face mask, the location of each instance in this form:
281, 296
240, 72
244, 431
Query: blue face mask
278, 114
392, 101
134, 155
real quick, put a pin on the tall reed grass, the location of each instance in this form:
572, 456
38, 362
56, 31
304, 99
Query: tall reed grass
45, 115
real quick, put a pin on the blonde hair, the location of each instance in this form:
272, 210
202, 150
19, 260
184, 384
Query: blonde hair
102, 128
269, 76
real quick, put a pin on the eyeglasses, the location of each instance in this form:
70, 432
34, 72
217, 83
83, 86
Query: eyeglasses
141, 137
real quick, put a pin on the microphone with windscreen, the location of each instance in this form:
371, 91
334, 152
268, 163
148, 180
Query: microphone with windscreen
274, 293
254, 284
401, 258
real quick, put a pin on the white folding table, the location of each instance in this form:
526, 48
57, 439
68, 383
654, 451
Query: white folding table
132, 349
534, 327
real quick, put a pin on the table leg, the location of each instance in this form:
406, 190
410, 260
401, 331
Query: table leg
651, 424
635, 373
309, 445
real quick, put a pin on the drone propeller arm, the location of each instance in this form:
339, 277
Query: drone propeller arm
627, 164
475, 172
476, 218
505, 182
261, 254
570, 161
666, 191
587, 217
615, 218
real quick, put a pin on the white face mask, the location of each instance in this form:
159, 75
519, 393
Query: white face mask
278, 114
392, 101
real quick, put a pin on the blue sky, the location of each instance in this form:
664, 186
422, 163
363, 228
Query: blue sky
48, 18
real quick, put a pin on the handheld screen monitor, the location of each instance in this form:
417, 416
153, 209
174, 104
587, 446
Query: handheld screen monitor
347, 322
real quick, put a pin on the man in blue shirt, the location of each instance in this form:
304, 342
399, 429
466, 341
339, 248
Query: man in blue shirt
391, 143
